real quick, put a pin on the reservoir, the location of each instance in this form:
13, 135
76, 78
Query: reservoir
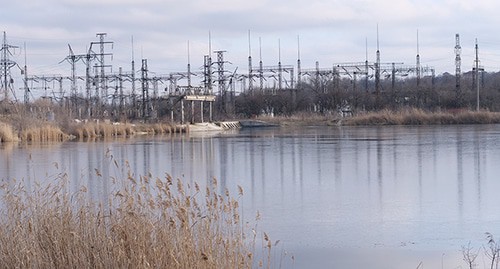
334, 197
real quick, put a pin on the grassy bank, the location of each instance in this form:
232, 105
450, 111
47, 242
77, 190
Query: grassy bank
389, 117
12, 130
421, 117
302, 119
148, 223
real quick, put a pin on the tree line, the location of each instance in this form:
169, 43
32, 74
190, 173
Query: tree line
327, 96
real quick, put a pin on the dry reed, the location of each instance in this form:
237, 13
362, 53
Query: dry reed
7, 133
421, 117
43, 134
301, 119
148, 223
106, 130
159, 128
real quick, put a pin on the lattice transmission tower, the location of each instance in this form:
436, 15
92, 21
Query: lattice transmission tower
102, 88
458, 63
5, 66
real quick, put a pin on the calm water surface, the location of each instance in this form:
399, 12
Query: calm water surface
393, 196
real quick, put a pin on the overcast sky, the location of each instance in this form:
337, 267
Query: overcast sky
331, 31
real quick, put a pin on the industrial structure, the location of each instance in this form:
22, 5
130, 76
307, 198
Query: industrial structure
140, 93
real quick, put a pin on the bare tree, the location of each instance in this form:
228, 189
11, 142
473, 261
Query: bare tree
469, 256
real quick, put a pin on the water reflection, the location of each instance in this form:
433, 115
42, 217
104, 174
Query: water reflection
460, 172
434, 186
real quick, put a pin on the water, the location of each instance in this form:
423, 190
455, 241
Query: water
388, 196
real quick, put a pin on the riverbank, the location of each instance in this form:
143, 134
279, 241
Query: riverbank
15, 129
389, 117
421, 117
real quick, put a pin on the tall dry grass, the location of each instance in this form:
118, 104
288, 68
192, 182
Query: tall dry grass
421, 117
148, 223
46, 133
7, 133
159, 128
106, 130
301, 119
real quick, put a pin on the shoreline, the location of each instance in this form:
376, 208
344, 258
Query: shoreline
389, 117
45, 131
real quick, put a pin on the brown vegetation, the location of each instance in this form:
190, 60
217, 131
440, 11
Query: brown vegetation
158, 128
32, 130
106, 130
7, 133
421, 117
47, 133
148, 223
301, 119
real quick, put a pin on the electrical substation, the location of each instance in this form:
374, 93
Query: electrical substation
196, 94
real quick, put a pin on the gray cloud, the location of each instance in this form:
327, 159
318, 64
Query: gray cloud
331, 31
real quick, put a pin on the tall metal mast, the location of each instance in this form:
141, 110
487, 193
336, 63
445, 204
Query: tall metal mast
189, 67
133, 74
261, 71
477, 75
250, 71
25, 72
280, 70
299, 71
418, 63
366, 65
377, 68
458, 63
145, 88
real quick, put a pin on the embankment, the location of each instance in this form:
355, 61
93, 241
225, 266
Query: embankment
421, 117
389, 117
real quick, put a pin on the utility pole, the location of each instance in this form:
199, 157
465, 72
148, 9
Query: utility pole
458, 72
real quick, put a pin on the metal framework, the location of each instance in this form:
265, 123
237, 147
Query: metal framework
178, 87
458, 63
6, 64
